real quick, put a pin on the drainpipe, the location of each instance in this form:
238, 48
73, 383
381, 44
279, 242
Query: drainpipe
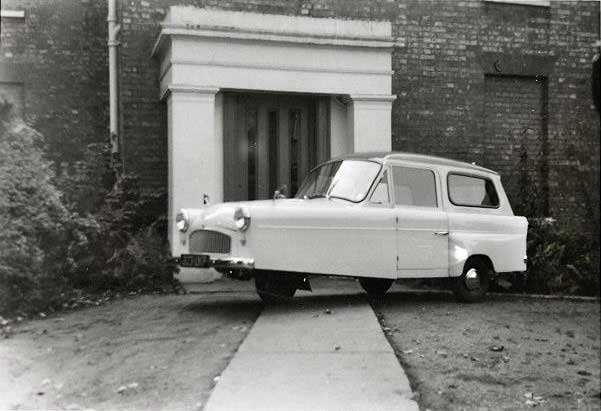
113, 31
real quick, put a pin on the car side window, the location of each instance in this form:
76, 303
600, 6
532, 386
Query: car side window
414, 187
380, 195
472, 191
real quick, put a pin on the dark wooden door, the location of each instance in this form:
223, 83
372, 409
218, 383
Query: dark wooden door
271, 141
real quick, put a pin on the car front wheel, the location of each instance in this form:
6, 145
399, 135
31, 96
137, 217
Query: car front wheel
473, 283
272, 288
376, 287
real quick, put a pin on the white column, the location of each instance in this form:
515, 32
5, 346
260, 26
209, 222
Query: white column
369, 122
195, 151
340, 140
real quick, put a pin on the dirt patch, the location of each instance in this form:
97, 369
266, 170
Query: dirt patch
503, 354
147, 352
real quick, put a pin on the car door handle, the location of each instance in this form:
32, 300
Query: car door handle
441, 233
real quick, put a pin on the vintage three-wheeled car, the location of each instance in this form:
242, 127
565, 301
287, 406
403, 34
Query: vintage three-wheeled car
377, 217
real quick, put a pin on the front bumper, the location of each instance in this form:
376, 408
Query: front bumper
208, 261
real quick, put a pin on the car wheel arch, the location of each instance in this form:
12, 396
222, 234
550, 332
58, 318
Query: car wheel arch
481, 257
473, 284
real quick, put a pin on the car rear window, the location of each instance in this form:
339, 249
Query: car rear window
472, 191
414, 187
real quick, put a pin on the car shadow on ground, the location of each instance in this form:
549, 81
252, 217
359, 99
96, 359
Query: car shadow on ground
227, 307
231, 304
240, 302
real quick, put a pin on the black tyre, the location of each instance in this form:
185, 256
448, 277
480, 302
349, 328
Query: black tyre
473, 283
272, 288
376, 287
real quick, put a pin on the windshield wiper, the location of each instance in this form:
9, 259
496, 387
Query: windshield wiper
341, 198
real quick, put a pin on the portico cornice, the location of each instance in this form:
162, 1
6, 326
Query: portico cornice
355, 98
189, 89
373, 97
274, 53
248, 26
184, 31
282, 67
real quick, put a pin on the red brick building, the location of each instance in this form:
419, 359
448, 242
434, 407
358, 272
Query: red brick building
478, 80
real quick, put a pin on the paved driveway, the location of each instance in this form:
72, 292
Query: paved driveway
321, 351
315, 353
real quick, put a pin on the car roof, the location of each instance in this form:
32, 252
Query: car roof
412, 157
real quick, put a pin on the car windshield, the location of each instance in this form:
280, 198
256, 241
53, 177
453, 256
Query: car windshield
346, 179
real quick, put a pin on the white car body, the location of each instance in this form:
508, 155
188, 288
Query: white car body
333, 236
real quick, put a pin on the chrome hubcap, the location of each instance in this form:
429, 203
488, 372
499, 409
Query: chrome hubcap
472, 279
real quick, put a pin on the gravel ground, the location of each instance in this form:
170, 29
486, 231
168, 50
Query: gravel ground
133, 353
504, 354
136, 353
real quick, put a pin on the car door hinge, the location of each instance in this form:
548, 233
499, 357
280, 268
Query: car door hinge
397, 219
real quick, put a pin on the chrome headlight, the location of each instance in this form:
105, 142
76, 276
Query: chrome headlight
182, 220
242, 218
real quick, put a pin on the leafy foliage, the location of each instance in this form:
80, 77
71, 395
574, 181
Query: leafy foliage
561, 259
83, 229
35, 223
131, 247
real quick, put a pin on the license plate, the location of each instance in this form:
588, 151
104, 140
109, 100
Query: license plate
194, 260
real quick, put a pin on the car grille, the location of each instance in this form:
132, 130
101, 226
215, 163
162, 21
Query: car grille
205, 241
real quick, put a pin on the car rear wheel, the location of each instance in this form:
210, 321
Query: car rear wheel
273, 288
376, 287
473, 283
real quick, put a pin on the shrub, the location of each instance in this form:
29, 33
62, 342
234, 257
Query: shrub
35, 223
144, 263
561, 260
127, 249
95, 232
132, 241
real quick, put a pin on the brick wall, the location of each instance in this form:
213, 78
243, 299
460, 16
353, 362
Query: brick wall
515, 140
59, 52
451, 47
445, 52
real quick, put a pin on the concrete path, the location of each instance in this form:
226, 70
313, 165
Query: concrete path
316, 353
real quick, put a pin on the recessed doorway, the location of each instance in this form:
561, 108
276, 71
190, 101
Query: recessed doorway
271, 141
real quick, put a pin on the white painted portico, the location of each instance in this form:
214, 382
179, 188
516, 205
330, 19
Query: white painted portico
205, 52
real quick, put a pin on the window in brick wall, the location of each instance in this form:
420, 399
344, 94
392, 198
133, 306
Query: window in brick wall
13, 94
515, 124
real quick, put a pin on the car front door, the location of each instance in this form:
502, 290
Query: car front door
422, 228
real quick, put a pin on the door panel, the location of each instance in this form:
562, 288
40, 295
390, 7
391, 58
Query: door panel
273, 140
284, 150
251, 134
422, 244
229, 141
422, 225
296, 138
273, 147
